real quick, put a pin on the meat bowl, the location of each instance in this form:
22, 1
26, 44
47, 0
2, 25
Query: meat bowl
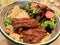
29, 23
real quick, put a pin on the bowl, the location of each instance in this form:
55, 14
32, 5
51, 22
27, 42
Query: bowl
54, 34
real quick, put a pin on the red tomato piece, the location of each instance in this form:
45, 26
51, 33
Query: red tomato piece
33, 4
41, 6
49, 14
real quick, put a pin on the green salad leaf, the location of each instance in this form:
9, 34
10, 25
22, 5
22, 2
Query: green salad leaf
26, 7
8, 21
49, 23
31, 9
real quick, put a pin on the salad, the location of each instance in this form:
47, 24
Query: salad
45, 16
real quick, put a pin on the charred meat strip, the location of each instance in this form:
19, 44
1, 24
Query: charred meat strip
30, 29
24, 22
33, 35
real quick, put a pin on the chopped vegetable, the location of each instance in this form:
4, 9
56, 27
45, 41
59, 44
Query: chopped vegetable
8, 21
49, 14
49, 23
35, 10
33, 4
26, 7
41, 6
32, 9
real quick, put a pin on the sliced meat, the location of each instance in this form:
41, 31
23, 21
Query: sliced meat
24, 22
33, 35
30, 39
32, 31
49, 14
